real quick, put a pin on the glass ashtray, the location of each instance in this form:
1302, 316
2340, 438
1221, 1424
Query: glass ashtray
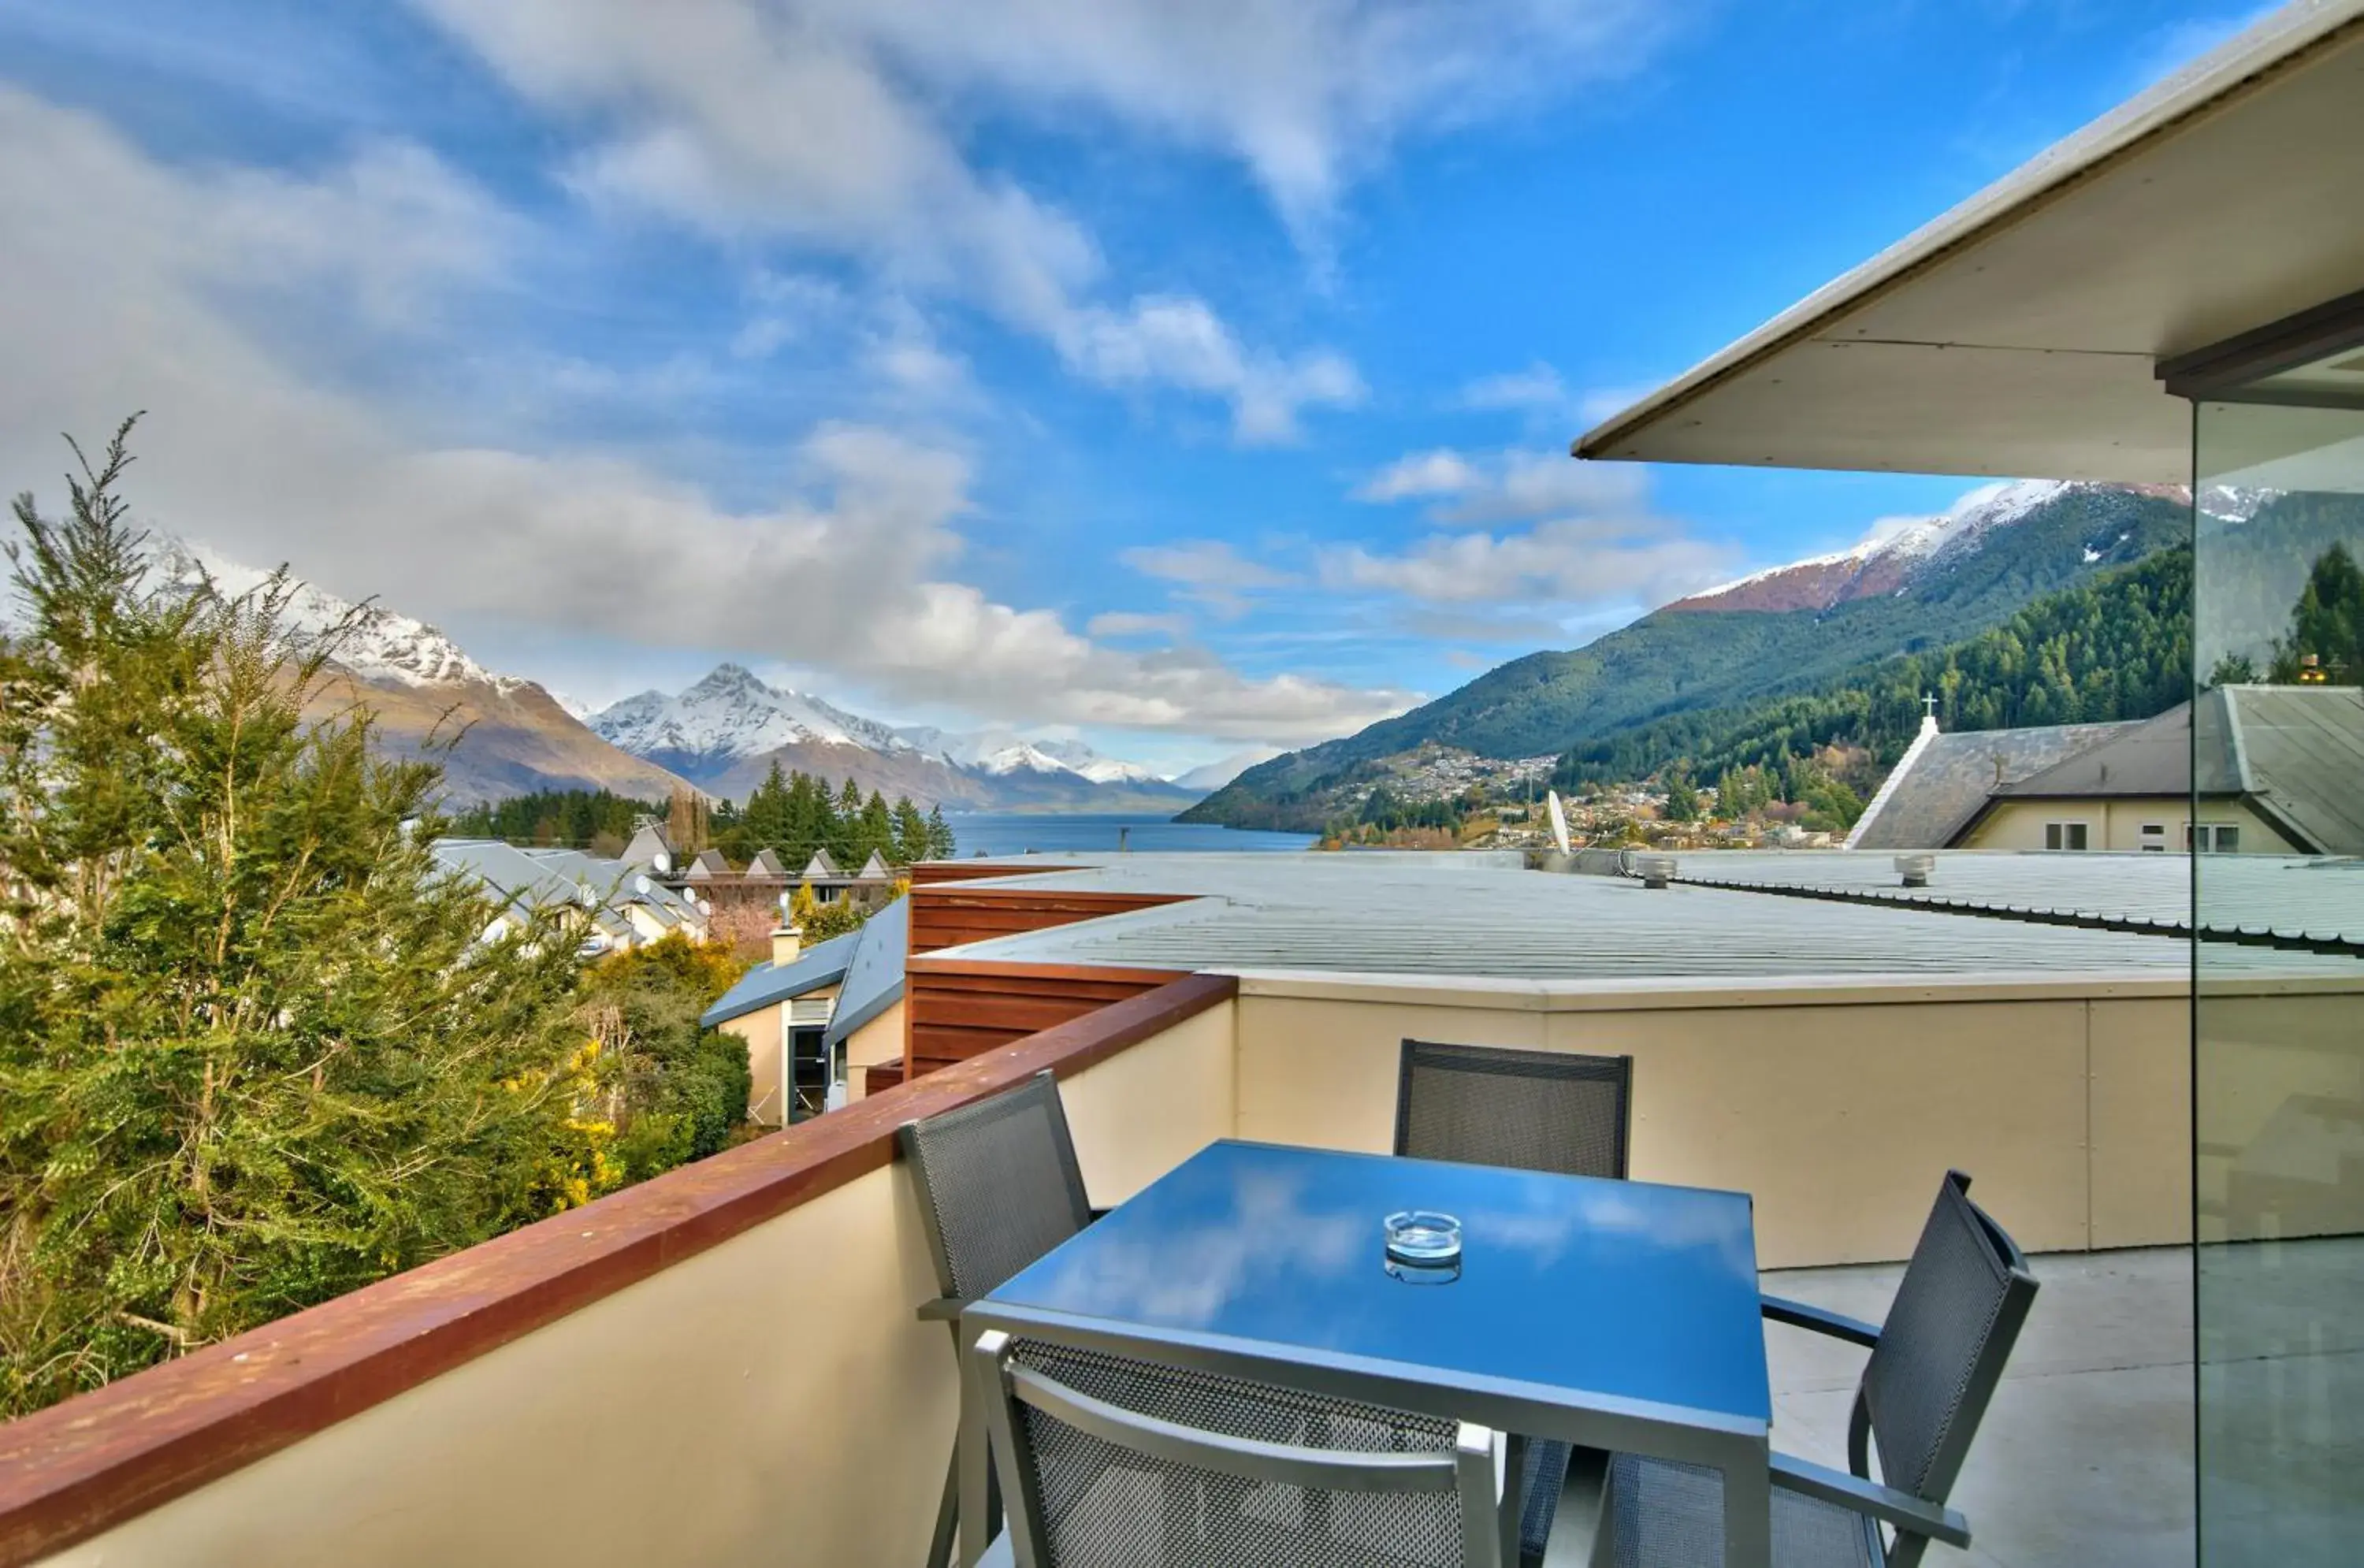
1424, 1238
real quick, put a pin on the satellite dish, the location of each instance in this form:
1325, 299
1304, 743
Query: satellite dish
1558, 822
663, 863
641, 885
703, 907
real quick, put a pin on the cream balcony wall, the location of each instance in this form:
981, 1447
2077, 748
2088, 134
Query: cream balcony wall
1838, 1107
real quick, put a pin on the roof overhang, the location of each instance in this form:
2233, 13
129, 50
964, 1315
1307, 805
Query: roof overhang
2021, 334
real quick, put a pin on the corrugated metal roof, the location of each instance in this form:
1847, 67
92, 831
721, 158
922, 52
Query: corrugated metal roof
2303, 749
1952, 777
874, 980
824, 964
1371, 914
2152, 758
2295, 896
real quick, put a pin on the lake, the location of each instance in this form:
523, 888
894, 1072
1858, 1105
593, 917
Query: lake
1014, 833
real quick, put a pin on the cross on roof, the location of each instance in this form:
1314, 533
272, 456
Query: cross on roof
1929, 704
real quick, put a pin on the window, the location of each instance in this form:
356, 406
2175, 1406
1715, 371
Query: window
2063, 835
2213, 838
2154, 838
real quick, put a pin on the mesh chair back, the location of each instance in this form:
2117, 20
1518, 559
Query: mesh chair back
1093, 1500
1956, 1316
999, 1184
1535, 1110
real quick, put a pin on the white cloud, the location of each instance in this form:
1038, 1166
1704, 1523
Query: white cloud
1543, 396
1536, 389
795, 119
1488, 487
1134, 623
1180, 343
128, 284
1421, 475
1208, 572
1307, 95
1590, 541
1566, 562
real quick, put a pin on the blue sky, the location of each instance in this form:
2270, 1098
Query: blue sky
1185, 377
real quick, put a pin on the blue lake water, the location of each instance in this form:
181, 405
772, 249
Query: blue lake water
1014, 833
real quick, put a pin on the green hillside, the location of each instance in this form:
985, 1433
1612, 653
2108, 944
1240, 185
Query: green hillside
2119, 647
1678, 661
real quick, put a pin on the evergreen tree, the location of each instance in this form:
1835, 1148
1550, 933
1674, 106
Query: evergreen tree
941, 844
255, 1050
1682, 800
910, 834
2327, 622
875, 833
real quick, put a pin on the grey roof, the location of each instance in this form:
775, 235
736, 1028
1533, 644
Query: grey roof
1376, 913
2152, 758
824, 964
648, 843
708, 864
873, 869
820, 865
767, 863
2292, 897
526, 879
1948, 783
2299, 750
2295, 752
873, 980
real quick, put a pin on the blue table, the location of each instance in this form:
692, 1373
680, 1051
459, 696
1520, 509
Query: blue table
1615, 1315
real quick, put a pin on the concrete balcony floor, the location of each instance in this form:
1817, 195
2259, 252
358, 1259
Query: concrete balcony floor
2086, 1454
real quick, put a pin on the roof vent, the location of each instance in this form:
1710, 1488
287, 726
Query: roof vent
1656, 871
1916, 868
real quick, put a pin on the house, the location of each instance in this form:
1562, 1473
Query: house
2278, 772
2170, 1080
869, 888
613, 903
781, 1008
651, 850
815, 1020
865, 1030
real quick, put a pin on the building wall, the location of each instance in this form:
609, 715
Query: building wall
752, 1407
880, 1039
765, 1032
1839, 1110
2118, 824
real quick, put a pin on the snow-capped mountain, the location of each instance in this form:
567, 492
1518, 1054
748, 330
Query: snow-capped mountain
1002, 751
1216, 774
1900, 553
423, 690
726, 732
376, 643
730, 715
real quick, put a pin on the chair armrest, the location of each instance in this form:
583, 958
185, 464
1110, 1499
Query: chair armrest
1798, 1315
1901, 1509
942, 1309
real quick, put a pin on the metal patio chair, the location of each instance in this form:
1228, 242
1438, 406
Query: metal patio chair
1532, 1110
1106, 1460
1934, 1366
999, 1186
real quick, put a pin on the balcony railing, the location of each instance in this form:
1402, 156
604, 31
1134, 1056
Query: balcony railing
722, 1364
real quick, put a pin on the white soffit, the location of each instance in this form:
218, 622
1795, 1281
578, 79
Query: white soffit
2017, 336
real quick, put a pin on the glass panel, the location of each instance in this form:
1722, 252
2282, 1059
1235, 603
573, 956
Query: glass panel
2277, 812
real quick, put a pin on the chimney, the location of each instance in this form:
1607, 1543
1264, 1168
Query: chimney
786, 942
